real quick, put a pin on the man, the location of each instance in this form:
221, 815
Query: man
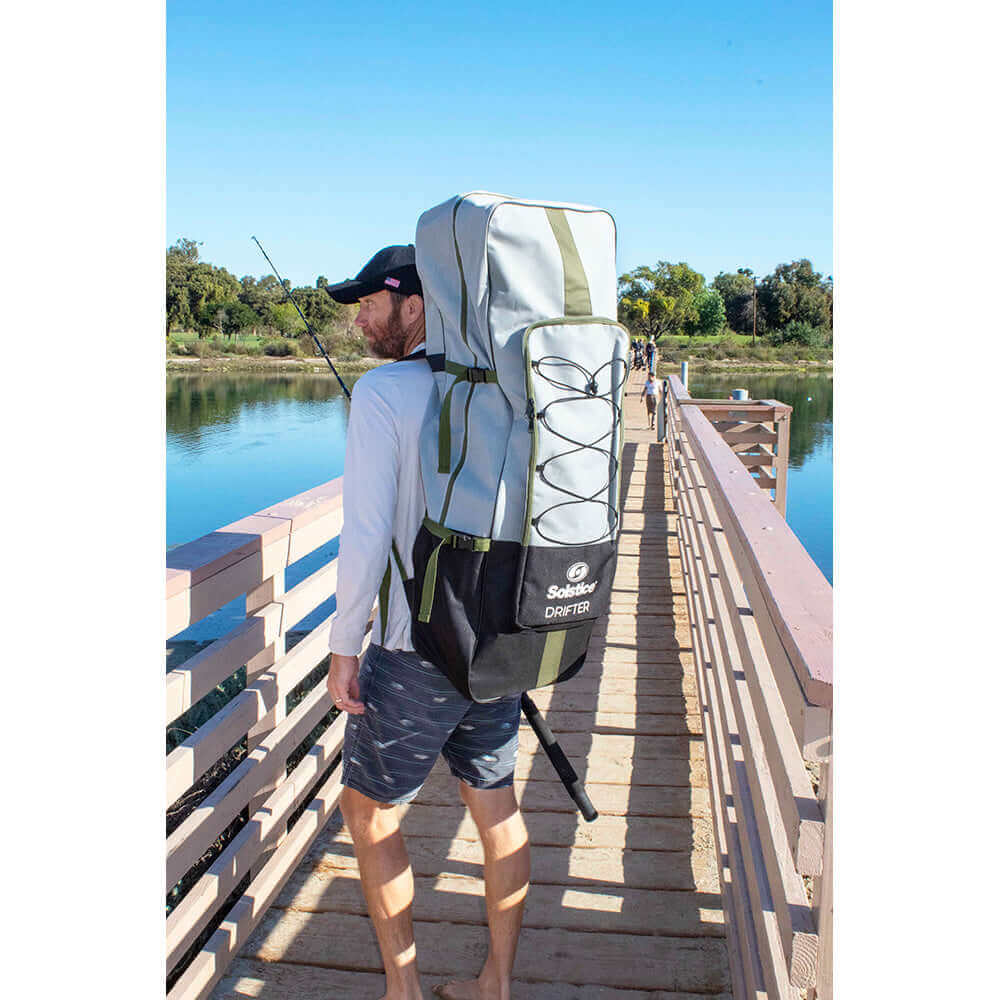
402, 710
650, 353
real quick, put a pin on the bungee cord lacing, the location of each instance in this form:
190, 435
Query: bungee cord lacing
589, 393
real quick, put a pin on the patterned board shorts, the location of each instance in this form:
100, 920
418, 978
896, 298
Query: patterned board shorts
413, 713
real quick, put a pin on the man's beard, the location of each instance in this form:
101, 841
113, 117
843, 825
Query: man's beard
389, 341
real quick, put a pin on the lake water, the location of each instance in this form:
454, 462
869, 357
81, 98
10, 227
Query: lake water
238, 443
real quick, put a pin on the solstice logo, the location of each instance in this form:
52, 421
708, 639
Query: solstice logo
577, 572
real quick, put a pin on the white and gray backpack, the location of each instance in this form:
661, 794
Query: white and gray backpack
521, 448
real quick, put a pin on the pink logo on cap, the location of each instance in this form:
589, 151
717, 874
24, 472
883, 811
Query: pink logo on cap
392, 282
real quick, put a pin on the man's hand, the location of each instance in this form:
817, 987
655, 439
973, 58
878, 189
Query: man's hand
342, 683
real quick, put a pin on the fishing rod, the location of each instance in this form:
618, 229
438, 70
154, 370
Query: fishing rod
291, 299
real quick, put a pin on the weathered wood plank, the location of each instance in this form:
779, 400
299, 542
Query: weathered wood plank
582, 867
618, 747
756, 435
645, 833
670, 679
546, 955
460, 900
640, 725
567, 698
188, 683
547, 794
250, 979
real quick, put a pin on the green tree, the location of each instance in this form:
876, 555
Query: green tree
285, 319
657, 300
795, 293
228, 319
737, 295
193, 284
185, 249
710, 313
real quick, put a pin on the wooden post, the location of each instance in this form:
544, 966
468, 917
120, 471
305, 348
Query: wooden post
822, 903
783, 427
661, 411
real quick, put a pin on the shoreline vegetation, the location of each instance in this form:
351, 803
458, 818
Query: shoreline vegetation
224, 364
780, 322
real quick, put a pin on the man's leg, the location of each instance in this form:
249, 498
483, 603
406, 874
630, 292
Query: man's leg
506, 872
387, 881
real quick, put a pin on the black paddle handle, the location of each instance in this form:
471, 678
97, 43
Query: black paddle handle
555, 754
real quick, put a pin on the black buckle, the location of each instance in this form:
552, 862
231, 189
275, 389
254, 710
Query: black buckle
478, 374
464, 542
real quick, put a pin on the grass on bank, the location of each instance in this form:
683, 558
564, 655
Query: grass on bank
349, 347
738, 347
344, 346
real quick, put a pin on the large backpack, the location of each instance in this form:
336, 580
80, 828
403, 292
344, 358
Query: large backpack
521, 448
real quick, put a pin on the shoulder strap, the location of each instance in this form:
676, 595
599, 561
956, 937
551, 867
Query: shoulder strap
383, 590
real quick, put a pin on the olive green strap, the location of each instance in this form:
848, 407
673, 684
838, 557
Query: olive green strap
548, 669
473, 543
383, 590
576, 289
462, 373
430, 582
444, 432
461, 272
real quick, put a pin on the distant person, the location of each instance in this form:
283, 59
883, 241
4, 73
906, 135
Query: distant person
650, 354
649, 392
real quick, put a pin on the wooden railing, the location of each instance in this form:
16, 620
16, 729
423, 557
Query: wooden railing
757, 431
248, 558
761, 622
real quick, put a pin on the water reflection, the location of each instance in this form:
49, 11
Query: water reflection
195, 402
810, 396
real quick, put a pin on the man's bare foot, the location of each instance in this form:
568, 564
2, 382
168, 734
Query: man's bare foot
467, 989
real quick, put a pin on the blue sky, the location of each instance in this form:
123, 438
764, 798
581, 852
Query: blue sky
326, 129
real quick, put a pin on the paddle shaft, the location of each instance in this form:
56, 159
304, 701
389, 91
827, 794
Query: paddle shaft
555, 754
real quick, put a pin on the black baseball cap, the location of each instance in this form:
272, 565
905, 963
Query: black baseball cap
392, 268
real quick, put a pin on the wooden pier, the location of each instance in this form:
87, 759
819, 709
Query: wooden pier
629, 907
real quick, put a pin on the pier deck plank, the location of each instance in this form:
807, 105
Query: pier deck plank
625, 908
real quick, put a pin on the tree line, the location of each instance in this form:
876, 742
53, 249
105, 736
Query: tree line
210, 300
794, 303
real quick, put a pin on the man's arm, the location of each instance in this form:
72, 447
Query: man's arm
371, 476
